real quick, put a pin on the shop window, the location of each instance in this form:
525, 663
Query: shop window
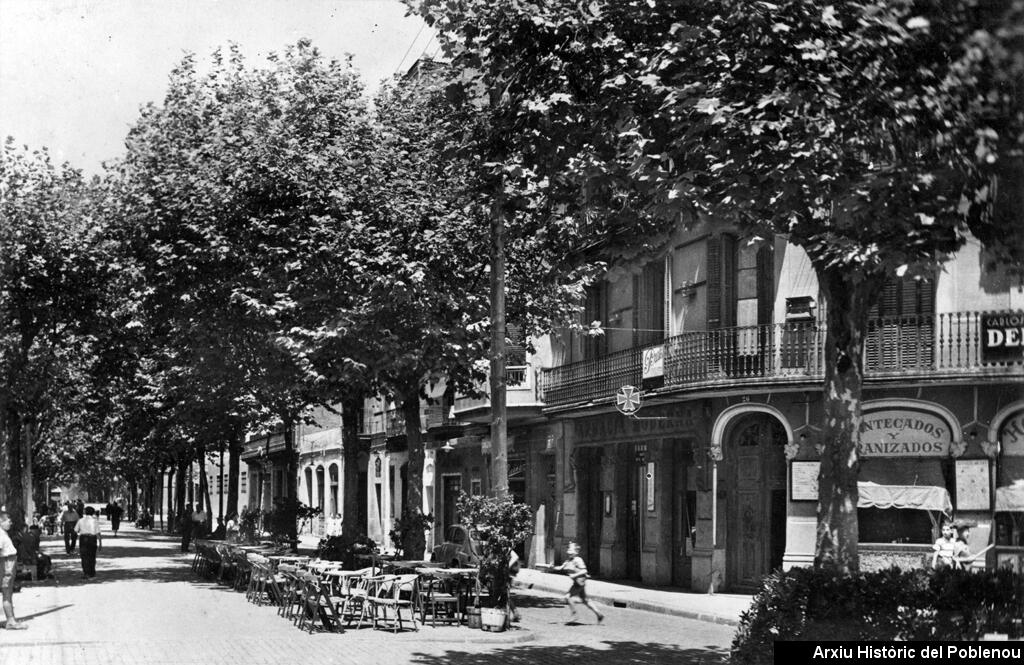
893, 525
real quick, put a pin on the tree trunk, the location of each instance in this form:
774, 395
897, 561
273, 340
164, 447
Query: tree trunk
847, 303
291, 472
350, 527
14, 495
234, 467
28, 431
414, 541
179, 486
499, 426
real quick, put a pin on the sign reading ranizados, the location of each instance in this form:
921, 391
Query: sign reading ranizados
901, 433
1002, 337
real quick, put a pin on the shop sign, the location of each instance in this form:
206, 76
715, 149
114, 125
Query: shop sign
1002, 337
1012, 435
653, 361
901, 433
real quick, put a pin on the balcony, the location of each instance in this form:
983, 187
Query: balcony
523, 397
939, 346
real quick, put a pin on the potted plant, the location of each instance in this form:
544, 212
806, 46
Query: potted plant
503, 524
409, 522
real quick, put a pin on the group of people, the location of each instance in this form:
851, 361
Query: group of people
951, 548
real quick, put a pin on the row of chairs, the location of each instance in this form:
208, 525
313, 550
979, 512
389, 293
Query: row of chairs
309, 599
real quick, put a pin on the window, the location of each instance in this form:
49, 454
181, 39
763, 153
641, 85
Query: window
475, 487
901, 326
650, 304
595, 308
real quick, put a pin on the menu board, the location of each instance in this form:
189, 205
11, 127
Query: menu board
973, 491
804, 481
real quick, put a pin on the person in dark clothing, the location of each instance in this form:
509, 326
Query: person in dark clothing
186, 527
114, 512
68, 519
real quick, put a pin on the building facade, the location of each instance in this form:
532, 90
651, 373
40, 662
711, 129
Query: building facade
713, 481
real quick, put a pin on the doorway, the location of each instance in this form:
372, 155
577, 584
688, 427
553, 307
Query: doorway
451, 487
589, 504
757, 505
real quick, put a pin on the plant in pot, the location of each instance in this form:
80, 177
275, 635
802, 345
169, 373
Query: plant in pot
409, 522
503, 525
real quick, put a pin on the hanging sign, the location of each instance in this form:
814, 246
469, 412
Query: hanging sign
1002, 337
627, 400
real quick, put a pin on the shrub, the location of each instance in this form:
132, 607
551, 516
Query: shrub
410, 521
249, 525
893, 604
503, 525
344, 548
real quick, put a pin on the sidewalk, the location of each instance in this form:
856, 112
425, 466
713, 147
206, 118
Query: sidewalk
721, 608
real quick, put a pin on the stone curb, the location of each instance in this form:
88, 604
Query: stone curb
645, 606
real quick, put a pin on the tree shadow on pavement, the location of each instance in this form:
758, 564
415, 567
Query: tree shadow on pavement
612, 653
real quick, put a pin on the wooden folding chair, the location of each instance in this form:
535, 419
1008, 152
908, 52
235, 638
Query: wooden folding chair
399, 592
439, 601
317, 604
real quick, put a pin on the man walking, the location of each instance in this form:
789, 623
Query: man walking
8, 570
88, 529
68, 520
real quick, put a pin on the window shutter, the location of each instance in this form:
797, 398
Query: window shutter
765, 283
714, 316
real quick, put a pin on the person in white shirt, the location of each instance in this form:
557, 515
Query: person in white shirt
8, 569
89, 541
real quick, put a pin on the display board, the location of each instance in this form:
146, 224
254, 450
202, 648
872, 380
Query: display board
973, 490
804, 481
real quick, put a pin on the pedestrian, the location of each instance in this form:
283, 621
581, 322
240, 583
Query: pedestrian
80, 507
88, 529
946, 550
8, 571
577, 570
199, 522
231, 528
30, 554
114, 512
513, 570
186, 527
68, 520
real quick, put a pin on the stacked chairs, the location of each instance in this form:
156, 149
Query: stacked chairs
206, 559
439, 601
318, 604
396, 593
227, 568
361, 592
243, 571
292, 587
266, 585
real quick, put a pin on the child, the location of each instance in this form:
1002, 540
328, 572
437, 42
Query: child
577, 570
947, 548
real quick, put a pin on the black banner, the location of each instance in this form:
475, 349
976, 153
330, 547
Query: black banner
899, 653
1002, 337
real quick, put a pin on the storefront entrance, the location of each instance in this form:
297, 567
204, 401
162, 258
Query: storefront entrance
757, 502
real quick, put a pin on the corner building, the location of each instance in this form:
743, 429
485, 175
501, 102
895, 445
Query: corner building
713, 482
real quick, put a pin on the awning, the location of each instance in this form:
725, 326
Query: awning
920, 497
1010, 499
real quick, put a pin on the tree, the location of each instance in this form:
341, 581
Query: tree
53, 268
867, 133
239, 196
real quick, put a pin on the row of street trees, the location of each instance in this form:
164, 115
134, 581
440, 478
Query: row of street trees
271, 240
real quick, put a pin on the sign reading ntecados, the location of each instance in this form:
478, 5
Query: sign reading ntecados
1002, 336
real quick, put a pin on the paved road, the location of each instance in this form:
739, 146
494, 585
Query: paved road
146, 606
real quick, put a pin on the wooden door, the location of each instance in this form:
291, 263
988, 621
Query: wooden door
757, 512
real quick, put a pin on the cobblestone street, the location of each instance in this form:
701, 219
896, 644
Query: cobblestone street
146, 606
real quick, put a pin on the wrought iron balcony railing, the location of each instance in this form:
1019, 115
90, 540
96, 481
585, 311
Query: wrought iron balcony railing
933, 346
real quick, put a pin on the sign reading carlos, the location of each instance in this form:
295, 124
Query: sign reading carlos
904, 433
1002, 337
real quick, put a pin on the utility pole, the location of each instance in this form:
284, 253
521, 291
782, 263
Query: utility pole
499, 426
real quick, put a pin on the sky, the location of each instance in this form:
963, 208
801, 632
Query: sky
74, 73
